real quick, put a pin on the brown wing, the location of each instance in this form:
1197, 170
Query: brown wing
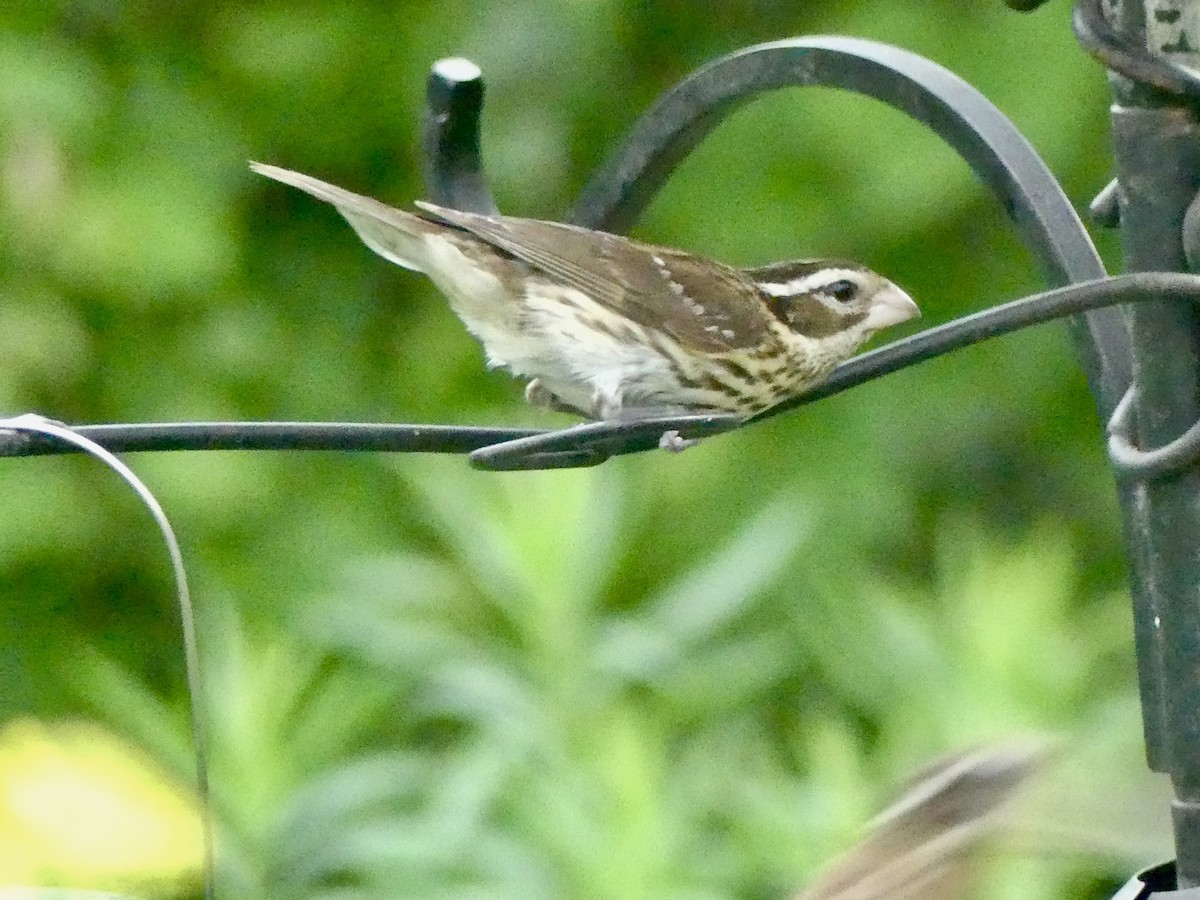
922, 848
702, 304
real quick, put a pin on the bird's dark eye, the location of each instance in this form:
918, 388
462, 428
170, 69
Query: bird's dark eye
842, 291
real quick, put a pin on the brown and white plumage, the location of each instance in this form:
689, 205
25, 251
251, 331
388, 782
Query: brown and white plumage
612, 327
923, 846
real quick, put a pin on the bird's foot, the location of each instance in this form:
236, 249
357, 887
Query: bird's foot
673, 442
537, 394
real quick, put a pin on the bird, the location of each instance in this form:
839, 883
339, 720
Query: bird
922, 846
613, 329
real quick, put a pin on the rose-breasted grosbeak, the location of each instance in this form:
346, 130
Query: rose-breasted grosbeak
613, 328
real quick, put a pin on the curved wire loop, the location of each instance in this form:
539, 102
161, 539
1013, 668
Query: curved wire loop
1146, 465
56, 431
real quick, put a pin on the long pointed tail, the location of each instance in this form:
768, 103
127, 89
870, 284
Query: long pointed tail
395, 235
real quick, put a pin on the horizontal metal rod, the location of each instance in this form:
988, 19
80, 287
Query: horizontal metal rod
354, 436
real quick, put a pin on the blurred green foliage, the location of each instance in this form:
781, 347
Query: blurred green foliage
670, 677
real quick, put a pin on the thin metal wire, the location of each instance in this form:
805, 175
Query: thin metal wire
594, 442
38, 425
343, 436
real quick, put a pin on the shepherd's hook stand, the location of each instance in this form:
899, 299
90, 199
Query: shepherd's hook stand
1149, 48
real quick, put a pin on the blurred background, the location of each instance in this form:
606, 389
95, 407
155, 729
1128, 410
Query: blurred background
689, 676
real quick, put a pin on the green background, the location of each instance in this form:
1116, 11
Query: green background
680, 676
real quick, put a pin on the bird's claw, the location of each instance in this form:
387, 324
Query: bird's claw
674, 442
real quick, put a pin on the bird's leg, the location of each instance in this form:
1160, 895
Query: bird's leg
537, 394
608, 406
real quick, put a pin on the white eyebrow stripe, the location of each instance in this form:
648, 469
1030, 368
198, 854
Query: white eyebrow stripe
779, 290
805, 283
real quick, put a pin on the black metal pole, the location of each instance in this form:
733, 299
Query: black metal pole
1156, 141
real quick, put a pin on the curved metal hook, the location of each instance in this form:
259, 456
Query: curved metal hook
958, 113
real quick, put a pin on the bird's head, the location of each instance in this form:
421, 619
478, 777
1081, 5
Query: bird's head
823, 298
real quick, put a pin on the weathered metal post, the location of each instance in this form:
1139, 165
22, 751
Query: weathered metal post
1156, 142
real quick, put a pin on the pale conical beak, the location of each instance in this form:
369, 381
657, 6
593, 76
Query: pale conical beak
891, 306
